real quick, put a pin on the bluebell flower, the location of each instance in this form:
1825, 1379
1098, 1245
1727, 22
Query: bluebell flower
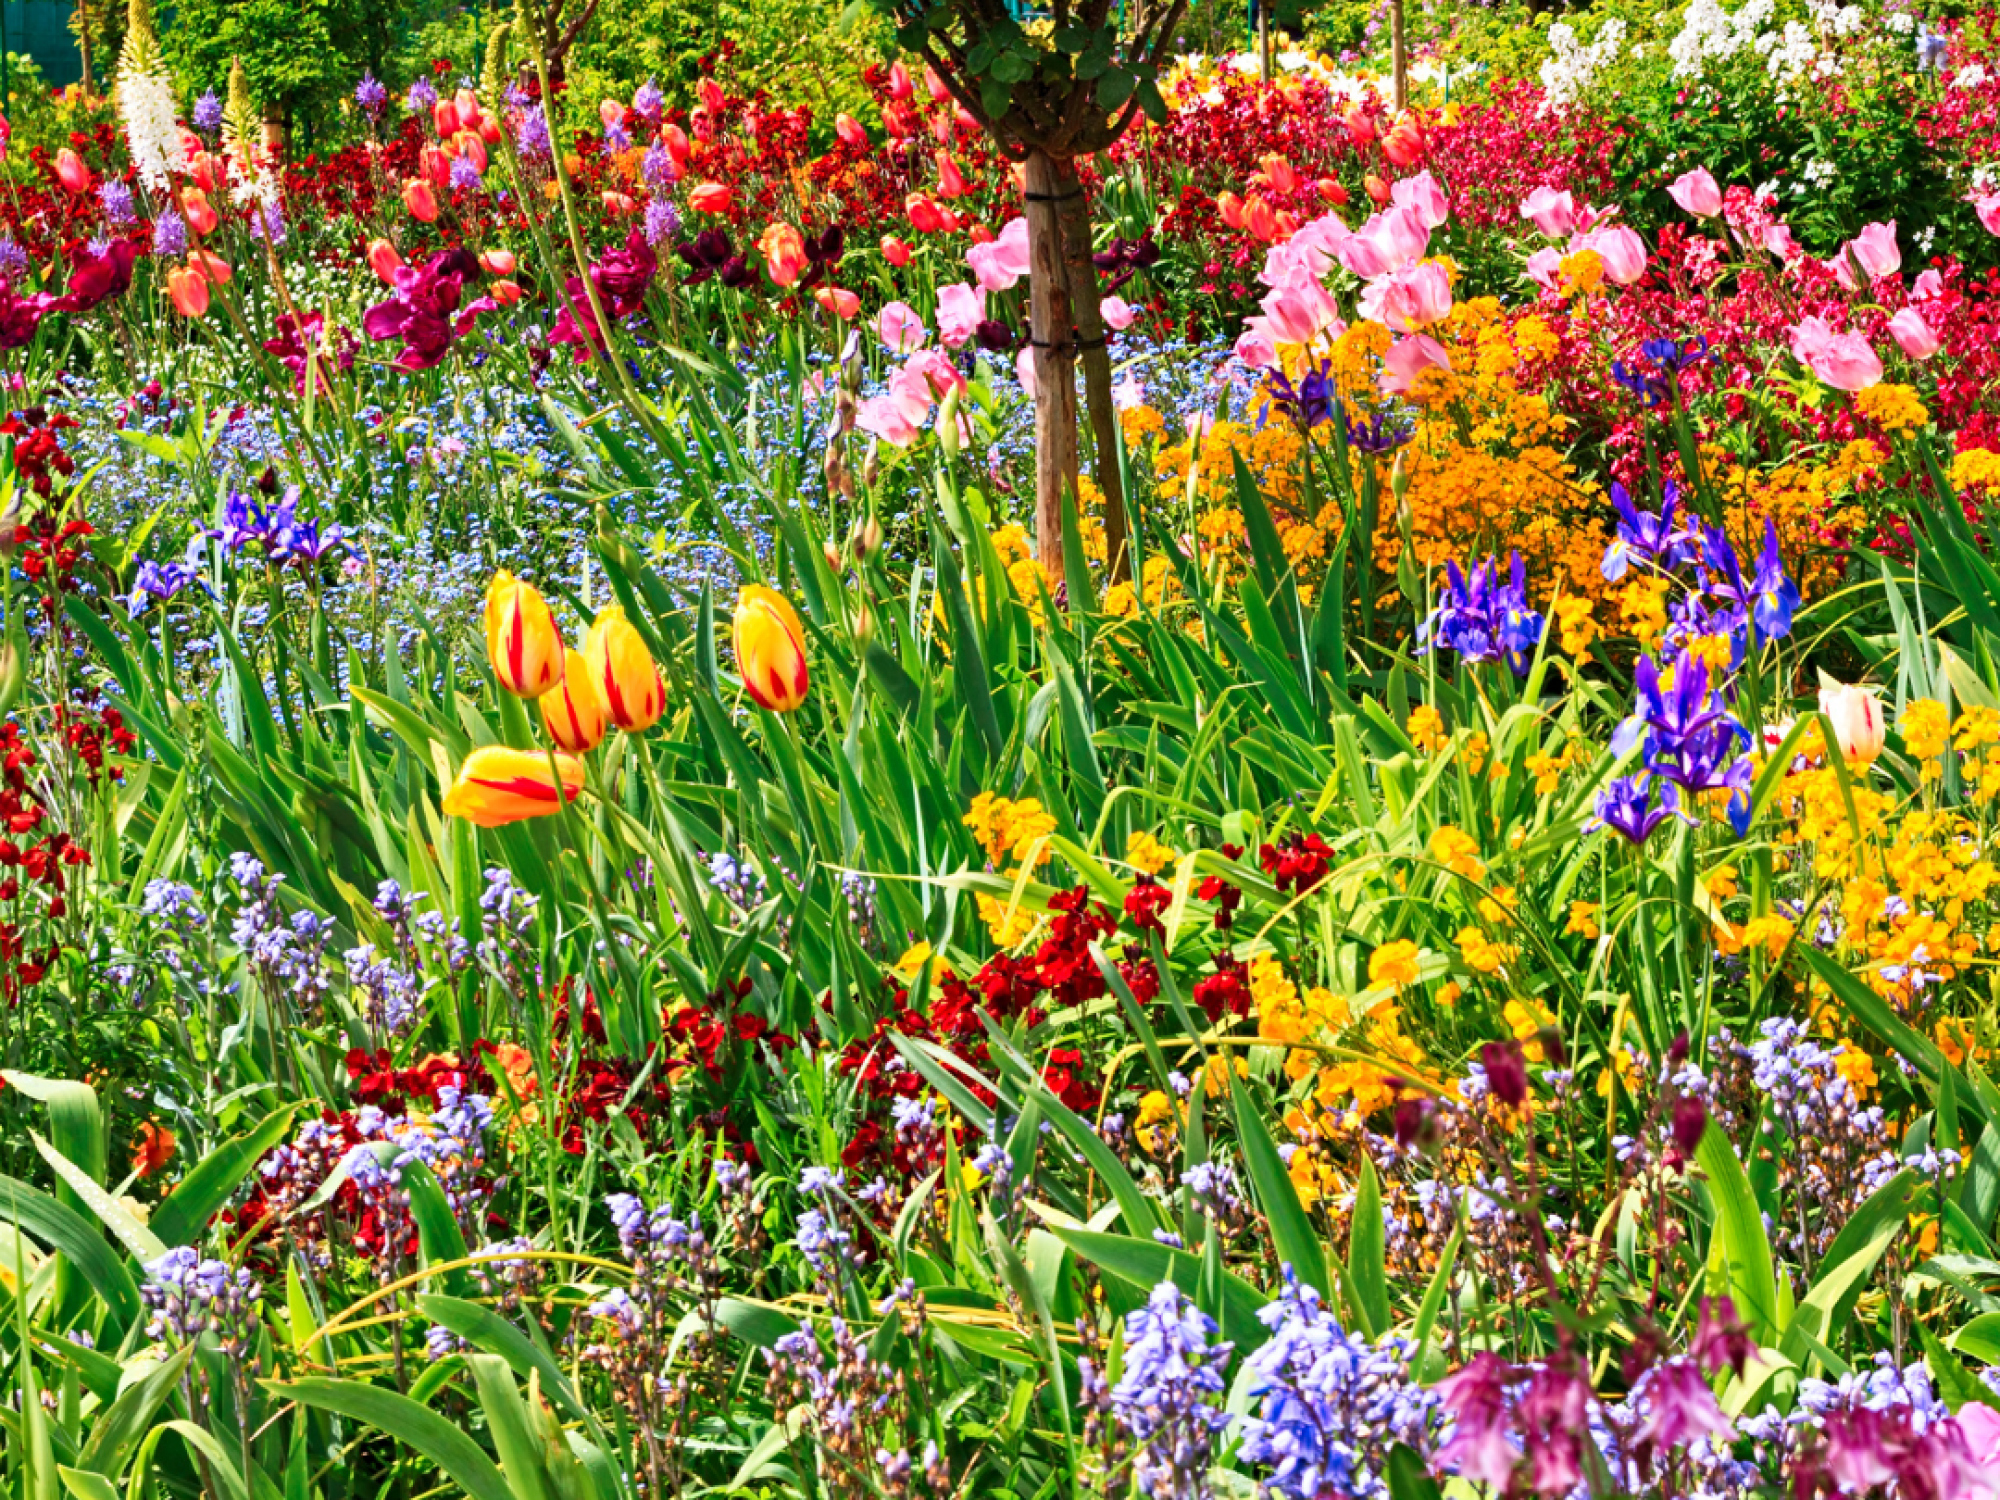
1168, 1400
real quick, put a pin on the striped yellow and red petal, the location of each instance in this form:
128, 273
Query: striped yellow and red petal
770, 649
573, 710
498, 785
522, 641
622, 671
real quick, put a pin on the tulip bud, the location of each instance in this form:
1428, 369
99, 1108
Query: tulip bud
522, 642
895, 251
1857, 721
770, 649
71, 172
383, 260
498, 785
572, 711
188, 292
829, 550
622, 671
420, 200
947, 424
506, 293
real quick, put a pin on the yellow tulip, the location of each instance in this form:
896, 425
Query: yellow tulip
573, 710
522, 641
622, 671
498, 785
770, 649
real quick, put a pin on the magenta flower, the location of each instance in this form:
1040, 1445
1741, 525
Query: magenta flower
424, 312
96, 278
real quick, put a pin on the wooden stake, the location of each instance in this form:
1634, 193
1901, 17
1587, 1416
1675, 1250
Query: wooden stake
1054, 362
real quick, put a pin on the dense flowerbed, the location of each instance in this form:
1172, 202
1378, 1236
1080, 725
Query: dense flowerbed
593, 905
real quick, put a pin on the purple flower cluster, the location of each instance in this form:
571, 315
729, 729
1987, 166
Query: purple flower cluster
1483, 619
1168, 1400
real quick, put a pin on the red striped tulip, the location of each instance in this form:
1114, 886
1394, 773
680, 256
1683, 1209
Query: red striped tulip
498, 785
622, 671
522, 641
770, 649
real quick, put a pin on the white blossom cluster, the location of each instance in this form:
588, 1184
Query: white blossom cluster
1572, 66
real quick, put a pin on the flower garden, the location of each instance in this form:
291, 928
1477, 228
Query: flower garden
1123, 773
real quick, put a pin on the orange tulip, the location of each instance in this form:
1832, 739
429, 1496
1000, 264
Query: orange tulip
1404, 144
71, 172
1231, 208
198, 211
709, 198
188, 291
420, 200
498, 785
573, 711
506, 293
383, 260
784, 252
770, 649
622, 671
497, 262
1332, 192
470, 145
895, 251
522, 641
208, 264
842, 303
951, 181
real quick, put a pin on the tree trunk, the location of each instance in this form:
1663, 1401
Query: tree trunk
1054, 361
1074, 212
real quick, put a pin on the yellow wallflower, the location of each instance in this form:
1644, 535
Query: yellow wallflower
1925, 727
1147, 854
1005, 827
1582, 920
1458, 852
1897, 408
1008, 930
1426, 729
1483, 954
1393, 965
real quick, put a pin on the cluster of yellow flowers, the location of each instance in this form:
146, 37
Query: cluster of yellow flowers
1007, 829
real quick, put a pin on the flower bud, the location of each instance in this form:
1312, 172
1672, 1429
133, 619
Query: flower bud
522, 641
572, 711
622, 671
770, 649
1856, 716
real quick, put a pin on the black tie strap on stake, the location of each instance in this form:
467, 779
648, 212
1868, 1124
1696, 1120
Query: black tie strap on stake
1075, 192
1075, 346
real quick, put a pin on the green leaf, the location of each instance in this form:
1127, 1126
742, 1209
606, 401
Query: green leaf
1408, 1477
1957, 1385
1144, 1264
1367, 1253
144, 1245
1114, 88
486, 1329
1739, 1250
507, 1424
116, 1433
63, 1229
1292, 1234
200, 1195
408, 1423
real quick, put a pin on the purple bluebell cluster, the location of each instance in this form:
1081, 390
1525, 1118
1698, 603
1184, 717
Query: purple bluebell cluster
1168, 1401
207, 112
371, 96
1484, 619
190, 1297
1330, 1406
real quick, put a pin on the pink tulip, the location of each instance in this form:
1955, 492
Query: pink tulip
1987, 206
1255, 349
71, 172
900, 86
1696, 192
960, 307
999, 265
1779, 242
1411, 299
940, 376
850, 132
1845, 361
1298, 315
1875, 250
1623, 254
1024, 370
1422, 196
1928, 284
1843, 271
1410, 357
1117, 313
1545, 268
1389, 241
899, 327
1553, 213
884, 417
1913, 335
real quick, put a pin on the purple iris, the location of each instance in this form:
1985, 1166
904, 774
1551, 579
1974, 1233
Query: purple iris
1483, 619
1627, 807
1770, 597
1310, 402
1666, 359
1692, 741
1644, 536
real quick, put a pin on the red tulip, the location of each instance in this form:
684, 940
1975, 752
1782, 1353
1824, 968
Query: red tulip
506, 293
71, 172
710, 198
444, 115
951, 181
1331, 192
198, 212
497, 262
850, 132
188, 291
383, 260
420, 200
895, 251
900, 86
